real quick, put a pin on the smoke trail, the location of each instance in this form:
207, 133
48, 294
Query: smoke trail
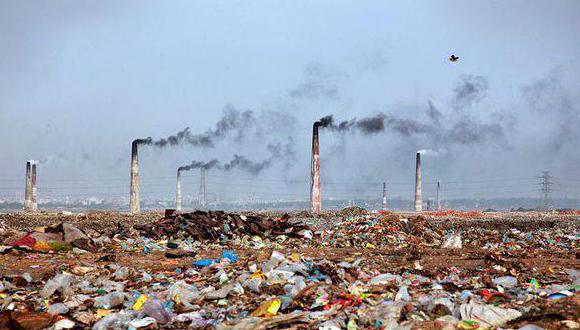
369, 125
245, 164
432, 152
471, 89
372, 125
278, 152
233, 123
198, 164
406, 127
469, 131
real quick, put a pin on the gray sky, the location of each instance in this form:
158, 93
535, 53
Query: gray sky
80, 79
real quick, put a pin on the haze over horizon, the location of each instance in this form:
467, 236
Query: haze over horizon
80, 80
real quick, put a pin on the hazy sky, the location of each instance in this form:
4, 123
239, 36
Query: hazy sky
79, 80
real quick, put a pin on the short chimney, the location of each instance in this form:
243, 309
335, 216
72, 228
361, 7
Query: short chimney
134, 198
315, 194
178, 191
33, 196
418, 198
28, 187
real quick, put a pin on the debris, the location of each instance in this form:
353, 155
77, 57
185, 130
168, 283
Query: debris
214, 225
488, 315
351, 269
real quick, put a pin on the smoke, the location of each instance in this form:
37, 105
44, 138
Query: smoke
285, 153
238, 162
247, 165
371, 125
198, 164
278, 152
435, 127
432, 152
406, 127
368, 125
64, 159
233, 123
469, 131
558, 112
318, 84
470, 90
433, 113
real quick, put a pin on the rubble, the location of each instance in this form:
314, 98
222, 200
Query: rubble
214, 225
361, 270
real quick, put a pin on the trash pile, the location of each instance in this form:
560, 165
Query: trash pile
219, 270
61, 237
381, 230
454, 213
214, 225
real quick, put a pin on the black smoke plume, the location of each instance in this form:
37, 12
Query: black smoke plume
233, 123
369, 125
198, 164
459, 129
247, 165
278, 152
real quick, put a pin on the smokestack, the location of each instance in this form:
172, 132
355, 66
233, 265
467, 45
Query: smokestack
178, 192
202, 187
134, 199
418, 199
438, 196
384, 196
33, 196
28, 187
315, 195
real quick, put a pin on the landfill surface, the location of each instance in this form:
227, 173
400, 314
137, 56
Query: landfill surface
349, 269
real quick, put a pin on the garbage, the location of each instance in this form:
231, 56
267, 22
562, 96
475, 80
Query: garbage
155, 309
213, 225
354, 269
452, 241
488, 315
63, 324
230, 256
60, 283
110, 300
56, 309
506, 281
267, 308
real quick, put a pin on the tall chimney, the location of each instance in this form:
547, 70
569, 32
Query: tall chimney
438, 196
28, 187
384, 196
178, 192
134, 199
418, 199
33, 195
315, 195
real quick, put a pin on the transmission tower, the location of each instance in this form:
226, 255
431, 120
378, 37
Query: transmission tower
202, 188
546, 189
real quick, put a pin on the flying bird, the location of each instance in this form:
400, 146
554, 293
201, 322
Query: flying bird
453, 58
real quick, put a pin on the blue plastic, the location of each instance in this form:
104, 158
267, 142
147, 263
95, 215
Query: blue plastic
231, 255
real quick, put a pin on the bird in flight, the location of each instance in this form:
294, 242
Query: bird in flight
453, 58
